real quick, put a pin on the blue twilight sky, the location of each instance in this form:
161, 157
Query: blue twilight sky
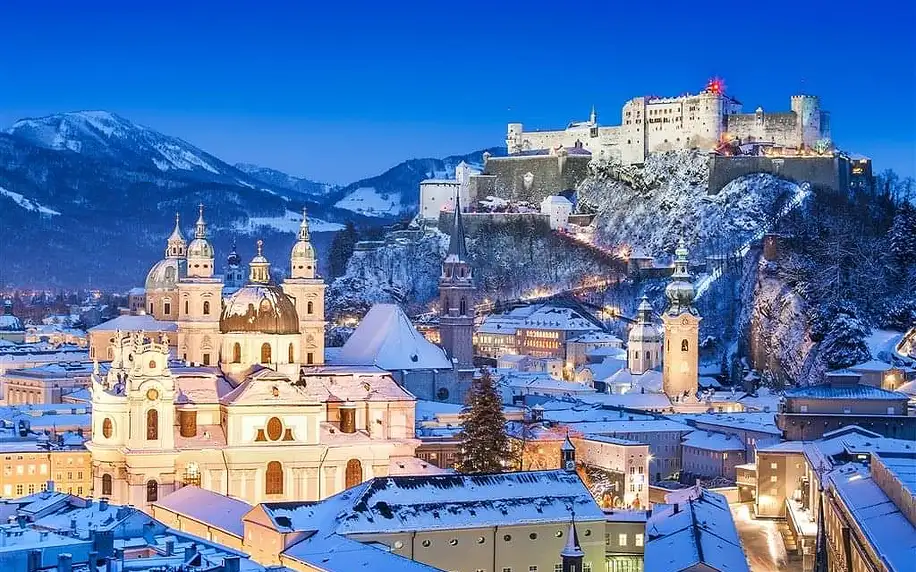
340, 90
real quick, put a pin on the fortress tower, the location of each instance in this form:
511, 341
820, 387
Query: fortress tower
200, 296
307, 289
682, 326
456, 298
808, 126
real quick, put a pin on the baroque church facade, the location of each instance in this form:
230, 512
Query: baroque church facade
250, 410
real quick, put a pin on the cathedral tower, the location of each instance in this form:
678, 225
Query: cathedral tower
456, 298
200, 297
682, 326
235, 274
644, 345
307, 289
162, 280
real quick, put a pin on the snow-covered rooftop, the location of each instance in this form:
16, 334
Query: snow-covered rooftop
697, 533
399, 504
144, 322
761, 422
885, 526
385, 338
208, 507
855, 392
710, 441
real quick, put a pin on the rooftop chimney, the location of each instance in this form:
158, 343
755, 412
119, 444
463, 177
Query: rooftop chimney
64, 562
33, 562
231, 564
169, 547
348, 417
103, 504
677, 508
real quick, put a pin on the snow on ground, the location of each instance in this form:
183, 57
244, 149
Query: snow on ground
27, 204
883, 342
368, 201
289, 223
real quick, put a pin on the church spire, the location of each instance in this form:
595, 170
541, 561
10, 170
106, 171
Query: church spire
259, 267
176, 246
304, 227
572, 554
201, 229
593, 116
457, 246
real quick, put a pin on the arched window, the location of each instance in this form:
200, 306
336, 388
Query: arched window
236, 353
167, 308
685, 346
310, 307
187, 307
463, 307
152, 425
354, 473
273, 483
151, 308
106, 484
265, 353
206, 307
292, 354
152, 491
107, 428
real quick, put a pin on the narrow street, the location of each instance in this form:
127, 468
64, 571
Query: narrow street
762, 542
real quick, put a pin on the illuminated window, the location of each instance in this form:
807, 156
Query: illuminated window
107, 428
206, 308
637, 539
354, 473
265, 353
152, 491
309, 308
274, 429
685, 346
236, 353
622, 539
292, 355
106, 484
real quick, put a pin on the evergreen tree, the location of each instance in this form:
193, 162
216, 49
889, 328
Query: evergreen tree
341, 250
902, 236
484, 443
844, 345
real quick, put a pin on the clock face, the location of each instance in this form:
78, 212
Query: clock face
685, 321
152, 394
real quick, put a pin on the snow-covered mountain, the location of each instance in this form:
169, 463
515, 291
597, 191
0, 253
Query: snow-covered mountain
91, 196
396, 192
308, 188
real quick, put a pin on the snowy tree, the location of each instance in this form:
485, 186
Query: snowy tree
341, 250
484, 443
844, 344
902, 236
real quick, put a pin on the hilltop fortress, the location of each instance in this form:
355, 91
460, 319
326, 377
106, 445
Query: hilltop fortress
651, 124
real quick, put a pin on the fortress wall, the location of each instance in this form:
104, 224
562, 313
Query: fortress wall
831, 172
549, 177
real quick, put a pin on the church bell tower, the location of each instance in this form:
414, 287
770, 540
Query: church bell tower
682, 326
456, 298
306, 287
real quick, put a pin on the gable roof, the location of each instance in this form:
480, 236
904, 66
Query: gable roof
213, 509
385, 338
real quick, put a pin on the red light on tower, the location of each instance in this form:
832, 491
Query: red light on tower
716, 85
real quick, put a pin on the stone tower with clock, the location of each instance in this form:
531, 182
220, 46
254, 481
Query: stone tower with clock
306, 288
682, 326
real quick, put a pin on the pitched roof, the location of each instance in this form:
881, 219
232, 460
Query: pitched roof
857, 391
143, 322
695, 531
207, 507
385, 338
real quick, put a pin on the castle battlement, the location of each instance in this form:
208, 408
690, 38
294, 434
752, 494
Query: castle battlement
651, 124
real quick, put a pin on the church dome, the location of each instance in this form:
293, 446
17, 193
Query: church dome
680, 293
303, 250
200, 248
164, 275
261, 308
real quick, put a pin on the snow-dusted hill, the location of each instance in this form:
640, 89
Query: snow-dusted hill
308, 188
91, 196
666, 200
